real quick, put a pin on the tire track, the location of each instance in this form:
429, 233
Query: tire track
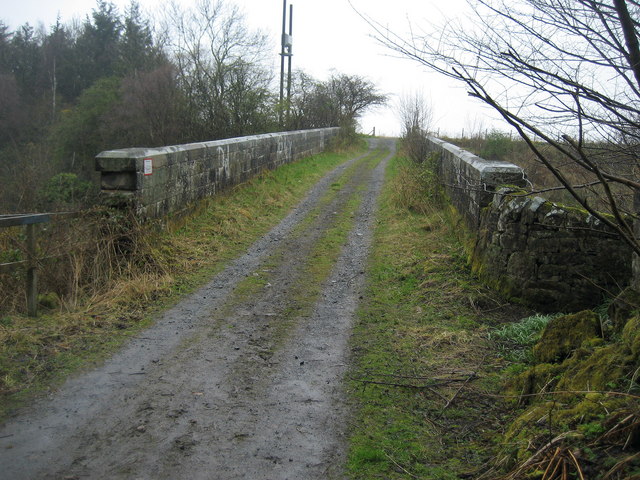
225, 385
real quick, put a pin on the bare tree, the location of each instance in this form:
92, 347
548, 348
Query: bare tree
565, 74
416, 115
150, 111
221, 69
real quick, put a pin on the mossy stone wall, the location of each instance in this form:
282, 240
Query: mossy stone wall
159, 181
554, 258
550, 257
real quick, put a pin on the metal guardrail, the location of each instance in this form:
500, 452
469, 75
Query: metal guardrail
29, 221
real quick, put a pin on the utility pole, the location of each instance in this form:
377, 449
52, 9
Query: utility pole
290, 56
286, 51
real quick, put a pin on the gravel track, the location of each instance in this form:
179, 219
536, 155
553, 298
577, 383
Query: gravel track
224, 385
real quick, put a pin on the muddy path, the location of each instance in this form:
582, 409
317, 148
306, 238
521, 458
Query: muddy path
243, 379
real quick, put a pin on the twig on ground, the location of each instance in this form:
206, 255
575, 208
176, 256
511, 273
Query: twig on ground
399, 466
473, 374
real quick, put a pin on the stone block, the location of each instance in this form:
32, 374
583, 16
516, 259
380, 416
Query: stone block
116, 163
553, 273
521, 266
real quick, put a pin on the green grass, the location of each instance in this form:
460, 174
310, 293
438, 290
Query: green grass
515, 340
419, 411
36, 354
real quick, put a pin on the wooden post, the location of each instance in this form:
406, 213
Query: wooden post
29, 221
32, 274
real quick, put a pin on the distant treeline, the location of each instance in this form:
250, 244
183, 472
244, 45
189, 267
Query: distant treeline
117, 80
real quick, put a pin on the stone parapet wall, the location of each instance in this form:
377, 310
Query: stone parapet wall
159, 181
553, 258
470, 181
550, 257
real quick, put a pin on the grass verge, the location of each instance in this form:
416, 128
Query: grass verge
423, 366
36, 354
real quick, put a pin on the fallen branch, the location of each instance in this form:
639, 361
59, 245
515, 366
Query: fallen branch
473, 375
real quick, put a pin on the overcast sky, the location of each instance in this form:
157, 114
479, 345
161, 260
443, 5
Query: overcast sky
328, 35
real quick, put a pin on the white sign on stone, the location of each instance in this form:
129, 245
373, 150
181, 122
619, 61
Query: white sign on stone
148, 166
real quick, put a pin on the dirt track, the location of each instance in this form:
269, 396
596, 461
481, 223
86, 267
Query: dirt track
226, 384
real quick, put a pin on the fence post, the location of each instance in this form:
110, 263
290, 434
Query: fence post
32, 273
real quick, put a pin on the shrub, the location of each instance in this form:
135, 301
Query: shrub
497, 146
66, 190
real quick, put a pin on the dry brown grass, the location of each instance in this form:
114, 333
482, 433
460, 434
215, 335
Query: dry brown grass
541, 178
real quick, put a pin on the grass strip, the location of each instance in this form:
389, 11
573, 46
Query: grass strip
321, 259
422, 361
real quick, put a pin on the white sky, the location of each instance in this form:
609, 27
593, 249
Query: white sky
329, 35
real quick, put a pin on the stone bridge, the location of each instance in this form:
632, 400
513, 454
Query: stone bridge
551, 257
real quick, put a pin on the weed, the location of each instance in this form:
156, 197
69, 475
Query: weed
416, 187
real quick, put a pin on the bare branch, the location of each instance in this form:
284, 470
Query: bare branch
555, 70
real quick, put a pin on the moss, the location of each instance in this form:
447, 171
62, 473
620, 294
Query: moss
631, 336
580, 213
587, 411
600, 369
593, 365
534, 380
590, 363
593, 343
623, 306
583, 421
565, 334
525, 427
496, 281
